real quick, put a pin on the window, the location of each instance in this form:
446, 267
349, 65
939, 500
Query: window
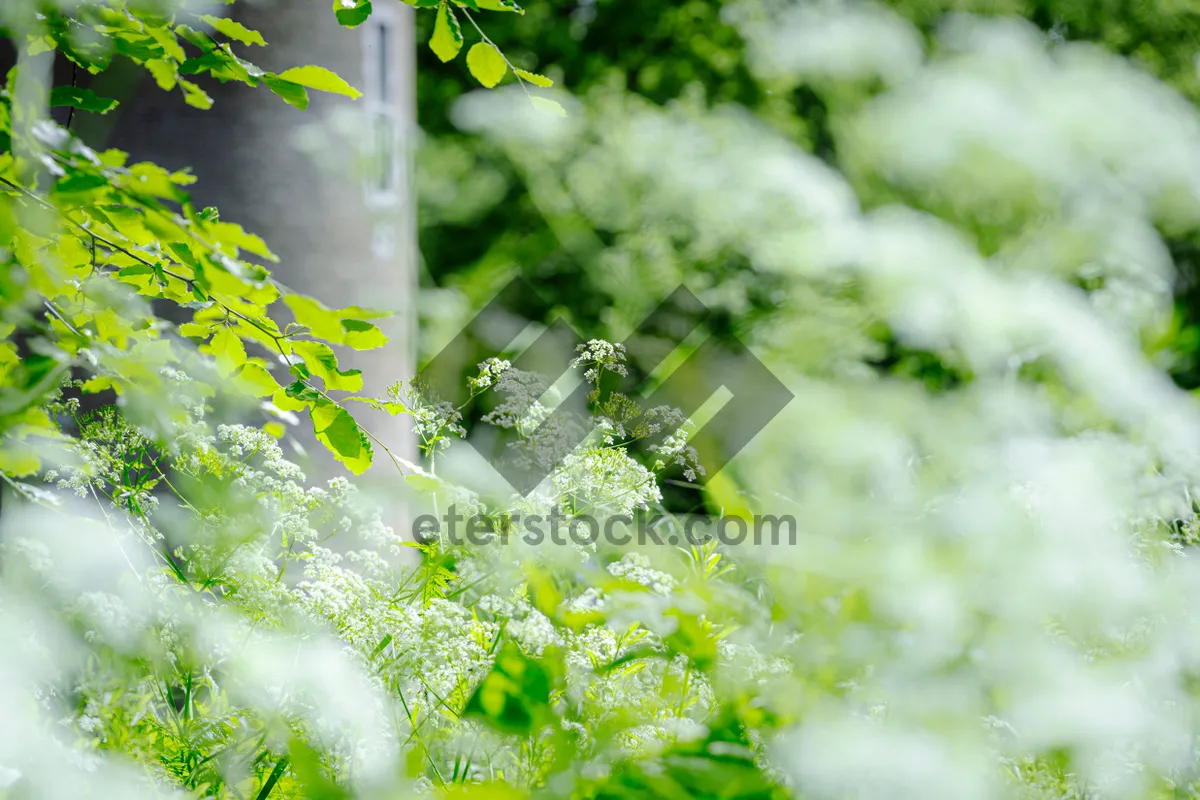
382, 107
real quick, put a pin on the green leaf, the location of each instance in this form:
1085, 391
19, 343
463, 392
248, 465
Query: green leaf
548, 106
99, 383
692, 639
194, 96
284, 400
447, 37
18, 460
514, 698
135, 269
235, 30
306, 763
257, 380
193, 329
272, 779
390, 406
362, 335
324, 322
291, 93
165, 73
337, 326
534, 78
83, 99
354, 15
320, 79
322, 362
499, 5
486, 64
79, 182
228, 350
337, 430
235, 236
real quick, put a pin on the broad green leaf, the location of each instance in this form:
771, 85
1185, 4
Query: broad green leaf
447, 38
499, 5
324, 322
692, 639
194, 330
234, 30
285, 402
83, 99
486, 64
291, 93
427, 484
352, 13
80, 183
534, 78
548, 106
194, 96
169, 41
322, 363
231, 238
514, 698
199, 38
337, 326
18, 460
320, 79
100, 383
39, 45
228, 350
257, 380
165, 73
314, 784
34, 376
362, 335
337, 430
390, 406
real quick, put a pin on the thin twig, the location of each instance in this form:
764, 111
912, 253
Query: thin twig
74, 77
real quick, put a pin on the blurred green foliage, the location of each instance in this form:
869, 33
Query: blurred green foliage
485, 215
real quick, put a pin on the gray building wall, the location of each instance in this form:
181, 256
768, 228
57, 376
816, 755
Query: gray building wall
297, 178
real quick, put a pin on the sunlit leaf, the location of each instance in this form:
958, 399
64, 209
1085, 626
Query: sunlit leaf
322, 363
228, 350
337, 430
447, 37
534, 78
291, 93
486, 64
352, 13
234, 30
83, 99
257, 380
320, 79
548, 106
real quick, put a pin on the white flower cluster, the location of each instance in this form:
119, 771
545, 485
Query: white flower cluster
606, 481
530, 628
600, 356
636, 567
489, 372
244, 443
675, 450
433, 419
521, 408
